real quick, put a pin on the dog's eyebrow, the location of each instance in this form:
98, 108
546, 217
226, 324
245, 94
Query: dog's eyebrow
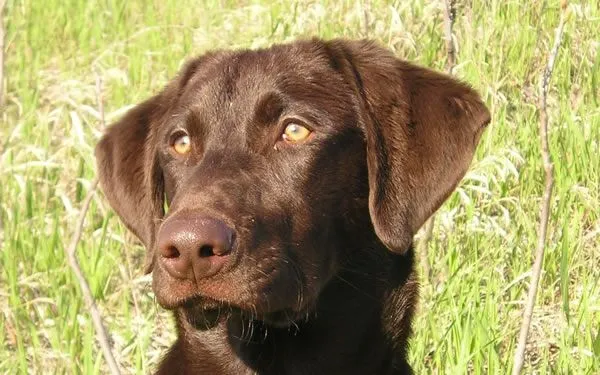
193, 123
268, 109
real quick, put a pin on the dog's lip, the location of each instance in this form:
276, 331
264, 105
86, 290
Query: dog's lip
186, 294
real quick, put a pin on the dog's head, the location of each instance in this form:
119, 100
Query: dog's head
252, 173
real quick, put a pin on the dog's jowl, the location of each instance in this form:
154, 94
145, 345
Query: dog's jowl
295, 178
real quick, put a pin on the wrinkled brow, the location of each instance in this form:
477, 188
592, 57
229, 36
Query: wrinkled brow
268, 109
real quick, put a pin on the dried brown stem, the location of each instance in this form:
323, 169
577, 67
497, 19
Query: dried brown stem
545, 204
101, 333
100, 99
366, 17
449, 13
2, 34
422, 246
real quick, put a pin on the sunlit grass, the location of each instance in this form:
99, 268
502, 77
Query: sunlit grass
481, 252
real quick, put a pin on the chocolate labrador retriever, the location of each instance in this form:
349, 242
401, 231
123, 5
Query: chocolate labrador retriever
278, 191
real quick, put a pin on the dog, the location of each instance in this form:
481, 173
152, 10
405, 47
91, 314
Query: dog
277, 192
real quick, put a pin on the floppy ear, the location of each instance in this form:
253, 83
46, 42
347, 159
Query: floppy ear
421, 130
129, 172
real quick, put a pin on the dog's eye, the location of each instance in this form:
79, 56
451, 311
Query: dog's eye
295, 133
181, 143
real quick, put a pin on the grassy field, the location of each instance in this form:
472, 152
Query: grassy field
484, 236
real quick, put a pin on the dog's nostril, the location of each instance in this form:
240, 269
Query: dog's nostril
206, 251
170, 252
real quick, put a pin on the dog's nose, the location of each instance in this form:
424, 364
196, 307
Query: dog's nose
193, 247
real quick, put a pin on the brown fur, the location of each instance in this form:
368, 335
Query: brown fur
311, 286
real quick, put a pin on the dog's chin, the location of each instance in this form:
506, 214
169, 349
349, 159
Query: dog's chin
205, 313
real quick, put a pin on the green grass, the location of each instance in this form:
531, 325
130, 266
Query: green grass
484, 237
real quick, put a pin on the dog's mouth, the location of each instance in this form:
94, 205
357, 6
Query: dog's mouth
269, 298
204, 313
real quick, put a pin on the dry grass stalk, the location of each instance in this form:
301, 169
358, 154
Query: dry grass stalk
90, 303
545, 204
366, 17
422, 246
2, 33
449, 14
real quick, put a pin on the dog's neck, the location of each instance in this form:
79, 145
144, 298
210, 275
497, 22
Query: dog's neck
346, 326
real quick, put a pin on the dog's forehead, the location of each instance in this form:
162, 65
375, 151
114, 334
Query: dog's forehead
226, 76
233, 88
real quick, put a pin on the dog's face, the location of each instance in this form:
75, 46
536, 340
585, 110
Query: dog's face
275, 163
272, 151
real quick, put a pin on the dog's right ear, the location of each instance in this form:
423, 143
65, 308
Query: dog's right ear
128, 167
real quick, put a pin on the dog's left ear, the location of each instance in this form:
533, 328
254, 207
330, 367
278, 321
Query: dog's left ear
421, 130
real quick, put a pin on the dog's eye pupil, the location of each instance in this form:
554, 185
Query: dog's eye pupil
295, 133
182, 144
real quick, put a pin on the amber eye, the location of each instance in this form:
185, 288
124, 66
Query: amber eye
295, 133
181, 144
